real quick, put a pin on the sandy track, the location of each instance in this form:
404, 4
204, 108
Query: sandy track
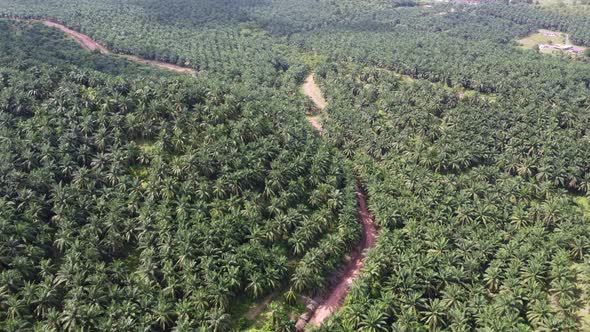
90, 44
315, 123
333, 300
312, 90
160, 64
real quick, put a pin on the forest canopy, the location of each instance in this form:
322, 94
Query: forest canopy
136, 198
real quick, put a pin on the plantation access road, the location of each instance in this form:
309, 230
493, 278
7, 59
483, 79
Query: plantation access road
333, 301
90, 44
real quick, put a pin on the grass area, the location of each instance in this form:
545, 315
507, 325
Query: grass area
139, 171
251, 29
239, 308
147, 147
464, 93
547, 37
461, 91
243, 305
584, 204
559, 5
539, 37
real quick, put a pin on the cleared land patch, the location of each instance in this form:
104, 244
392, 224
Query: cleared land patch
258, 315
551, 42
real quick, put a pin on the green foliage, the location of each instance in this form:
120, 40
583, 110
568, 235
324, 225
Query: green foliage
151, 201
476, 219
154, 201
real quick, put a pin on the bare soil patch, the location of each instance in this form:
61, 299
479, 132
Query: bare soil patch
312, 90
315, 123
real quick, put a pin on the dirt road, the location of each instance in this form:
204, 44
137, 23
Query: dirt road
160, 64
84, 41
333, 300
90, 44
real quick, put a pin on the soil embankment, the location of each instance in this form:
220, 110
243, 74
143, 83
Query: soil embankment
333, 300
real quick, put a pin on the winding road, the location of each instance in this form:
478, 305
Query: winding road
90, 44
333, 301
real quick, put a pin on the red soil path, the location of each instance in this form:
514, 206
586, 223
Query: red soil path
90, 44
333, 300
357, 258
84, 41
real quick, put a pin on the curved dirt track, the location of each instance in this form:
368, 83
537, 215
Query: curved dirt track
90, 44
333, 300
84, 41
337, 294
315, 123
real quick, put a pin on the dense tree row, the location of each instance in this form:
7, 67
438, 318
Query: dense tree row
149, 203
145, 29
478, 65
474, 198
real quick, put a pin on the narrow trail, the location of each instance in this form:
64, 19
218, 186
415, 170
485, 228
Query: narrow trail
333, 300
90, 44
